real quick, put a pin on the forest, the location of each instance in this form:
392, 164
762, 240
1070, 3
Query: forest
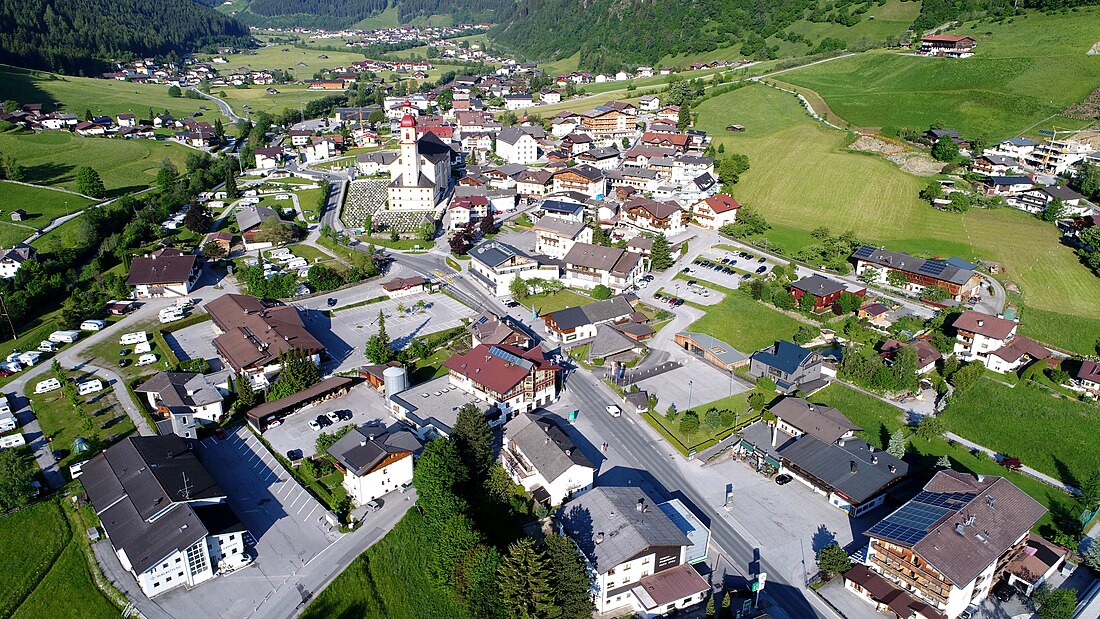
82, 36
341, 13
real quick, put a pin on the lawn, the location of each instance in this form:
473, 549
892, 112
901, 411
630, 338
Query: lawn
301, 63
744, 323
546, 303
685, 442
107, 421
879, 419
399, 244
30, 540
1008, 420
106, 353
101, 97
802, 177
67, 591
290, 96
391, 579
992, 93
890, 20
41, 203
52, 158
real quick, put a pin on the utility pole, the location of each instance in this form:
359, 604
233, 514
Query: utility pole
4, 310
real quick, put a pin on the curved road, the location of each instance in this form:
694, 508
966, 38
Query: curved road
222, 105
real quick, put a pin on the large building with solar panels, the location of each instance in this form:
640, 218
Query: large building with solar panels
947, 547
919, 273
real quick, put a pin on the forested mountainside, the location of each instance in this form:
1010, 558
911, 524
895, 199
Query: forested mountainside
342, 13
83, 35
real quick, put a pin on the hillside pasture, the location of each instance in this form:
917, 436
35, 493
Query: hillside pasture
41, 203
289, 96
300, 62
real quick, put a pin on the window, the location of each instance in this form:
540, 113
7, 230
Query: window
610, 571
156, 584
183, 420
645, 561
168, 579
178, 559
181, 574
231, 537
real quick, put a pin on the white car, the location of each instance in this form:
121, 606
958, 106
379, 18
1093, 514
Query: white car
313, 425
614, 411
333, 416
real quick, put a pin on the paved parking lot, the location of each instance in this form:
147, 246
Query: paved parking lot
345, 335
741, 266
696, 294
294, 433
286, 522
692, 385
195, 342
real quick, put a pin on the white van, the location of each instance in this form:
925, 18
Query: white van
147, 359
93, 325
143, 347
5, 408
64, 337
47, 386
47, 346
133, 338
89, 386
30, 357
297, 263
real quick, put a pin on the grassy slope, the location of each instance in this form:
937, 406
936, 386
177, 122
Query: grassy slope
802, 178
60, 422
67, 591
890, 20
274, 57
77, 94
29, 540
391, 579
290, 96
745, 324
42, 204
1024, 71
52, 158
879, 419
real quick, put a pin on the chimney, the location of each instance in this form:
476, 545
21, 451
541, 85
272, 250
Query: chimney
874, 459
599, 537
362, 443
980, 477
981, 322
852, 464
641, 505
893, 469
840, 442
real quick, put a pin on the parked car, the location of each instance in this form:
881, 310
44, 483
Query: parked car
783, 479
344, 414
323, 421
331, 302
1004, 591
274, 423
678, 302
313, 425
373, 506
220, 434
762, 259
746, 276
614, 410
123, 352
332, 416
294, 455
762, 269
121, 363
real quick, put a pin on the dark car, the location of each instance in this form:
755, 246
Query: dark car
123, 363
511, 303
679, 302
783, 479
331, 302
323, 421
762, 269
344, 415
1004, 591
746, 276
124, 352
685, 270
691, 282
294, 455
762, 259
218, 432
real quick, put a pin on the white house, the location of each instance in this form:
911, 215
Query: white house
494, 265
993, 341
12, 259
554, 236
516, 146
587, 266
165, 272
650, 103
189, 399
374, 462
506, 377
574, 324
540, 456
635, 551
715, 211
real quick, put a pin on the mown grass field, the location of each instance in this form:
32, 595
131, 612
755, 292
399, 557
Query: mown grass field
60, 422
391, 579
290, 96
1025, 70
802, 177
41, 203
744, 323
52, 158
67, 591
879, 420
109, 97
890, 20
301, 63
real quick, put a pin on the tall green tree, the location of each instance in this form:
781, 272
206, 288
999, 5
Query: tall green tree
167, 175
568, 577
89, 183
438, 473
473, 441
660, 255
479, 586
231, 191
457, 538
379, 348
896, 446
833, 560
1055, 603
945, 150
525, 582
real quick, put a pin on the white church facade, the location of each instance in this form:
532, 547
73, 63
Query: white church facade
423, 174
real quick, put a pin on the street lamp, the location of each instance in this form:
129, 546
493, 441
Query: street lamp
690, 383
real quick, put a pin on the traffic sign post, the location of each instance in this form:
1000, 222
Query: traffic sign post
758, 586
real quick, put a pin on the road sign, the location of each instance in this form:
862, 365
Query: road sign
573, 415
755, 586
762, 578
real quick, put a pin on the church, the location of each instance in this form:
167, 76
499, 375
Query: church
423, 174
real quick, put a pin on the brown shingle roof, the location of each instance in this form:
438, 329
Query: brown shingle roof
498, 368
984, 324
824, 422
617, 261
254, 335
1019, 346
164, 266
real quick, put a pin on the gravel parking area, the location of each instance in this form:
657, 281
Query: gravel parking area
294, 432
196, 342
691, 386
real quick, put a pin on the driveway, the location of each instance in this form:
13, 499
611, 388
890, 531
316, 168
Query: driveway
363, 401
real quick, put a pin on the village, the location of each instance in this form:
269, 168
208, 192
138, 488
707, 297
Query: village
712, 422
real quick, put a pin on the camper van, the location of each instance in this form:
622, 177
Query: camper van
297, 263
142, 348
147, 359
133, 338
64, 337
5, 408
171, 314
89, 386
93, 325
47, 346
29, 358
48, 385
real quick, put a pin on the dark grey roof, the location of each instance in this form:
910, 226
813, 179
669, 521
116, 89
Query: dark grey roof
612, 514
181, 389
559, 206
249, 217
494, 253
423, 182
363, 448
824, 422
935, 269
433, 149
593, 313
611, 259
818, 285
545, 445
784, 356
385, 157
511, 135
609, 341
1062, 192
853, 470
218, 518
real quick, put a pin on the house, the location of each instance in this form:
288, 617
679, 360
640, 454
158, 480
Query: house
875, 313
1057, 156
13, 258
1037, 199
576, 143
188, 399
948, 545
224, 240
583, 179
488, 329
569, 211
649, 103
374, 462
269, 157
676, 141
993, 341
947, 46
653, 216
166, 518
1034, 564
606, 120
1019, 352
574, 324
919, 273
850, 472
373, 164
510, 379
1016, 148
164, 272
127, 120
714, 212
636, 553
1087, 377
789, 364
533, 183
494, 265
252, 336
588, 266
824, 291
927, 354
249, 219
797, 417
466, 210
712, 350
514, 145
995, 165
18, 214
539, 455
1006, 185
550, 97
405, 286
554, 237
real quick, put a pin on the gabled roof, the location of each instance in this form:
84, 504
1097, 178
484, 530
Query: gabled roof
561, 227
254, 335
785, 356
498, 368
364, 449
655, 209
611, 259
934, 269
615, 308
609, 529
855, 470
492, 330
1018, 347
984, 324
164, 266
934, 523
586, 171
609, 341
1020, 142
1089, 370
545, 445
511, 135
824, 422
818, 285
249, 217
181, 389
721, 203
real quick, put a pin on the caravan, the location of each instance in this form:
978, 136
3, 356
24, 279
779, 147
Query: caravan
64, 337
89, 386
133, 338
48, 385
171, 314
147, 359
93, 325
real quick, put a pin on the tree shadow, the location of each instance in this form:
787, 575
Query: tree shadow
45, 173
121, 191
1063, 518
1065, 474
822, 537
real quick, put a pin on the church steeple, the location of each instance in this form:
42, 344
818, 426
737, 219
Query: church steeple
410, 160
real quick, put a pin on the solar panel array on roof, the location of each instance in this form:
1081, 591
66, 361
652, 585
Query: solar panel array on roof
507, 356
932, 267
951, 500
864, 252
482, 320
912, 521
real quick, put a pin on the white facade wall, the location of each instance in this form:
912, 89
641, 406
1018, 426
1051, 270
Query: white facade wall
366, 488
